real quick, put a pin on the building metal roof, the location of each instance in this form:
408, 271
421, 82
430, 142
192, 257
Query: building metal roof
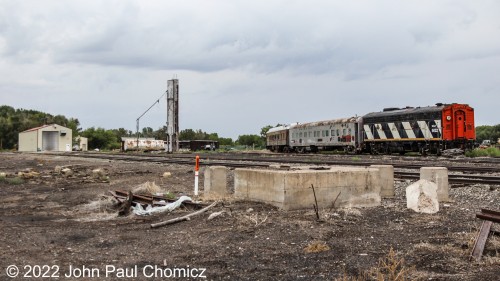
38, 128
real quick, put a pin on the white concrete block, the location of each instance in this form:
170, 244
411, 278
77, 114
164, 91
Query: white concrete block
422, 197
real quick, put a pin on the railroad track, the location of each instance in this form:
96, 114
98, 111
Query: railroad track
469, 174
209, 158
452, 178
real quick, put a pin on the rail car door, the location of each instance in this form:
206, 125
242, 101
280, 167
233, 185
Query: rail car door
459, 124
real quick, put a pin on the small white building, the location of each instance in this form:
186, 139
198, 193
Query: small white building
82, 143
46, 138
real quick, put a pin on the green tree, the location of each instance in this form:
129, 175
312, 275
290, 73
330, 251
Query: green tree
251, 140
101, 138
264, 130
147, 132
488, 133
226, 141
187, 134
121, 132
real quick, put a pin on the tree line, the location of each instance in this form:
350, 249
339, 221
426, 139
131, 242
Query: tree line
488, 133
13, 121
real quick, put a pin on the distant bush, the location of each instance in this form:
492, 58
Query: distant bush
488, 152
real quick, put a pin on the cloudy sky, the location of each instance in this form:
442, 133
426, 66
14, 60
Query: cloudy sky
242, 65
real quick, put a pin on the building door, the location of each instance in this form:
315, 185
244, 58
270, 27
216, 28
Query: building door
50, 141
459, 124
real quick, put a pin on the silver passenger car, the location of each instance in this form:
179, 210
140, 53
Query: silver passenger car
338, 134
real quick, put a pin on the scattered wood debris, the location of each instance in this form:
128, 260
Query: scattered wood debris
153, 200
488, 217
183, 218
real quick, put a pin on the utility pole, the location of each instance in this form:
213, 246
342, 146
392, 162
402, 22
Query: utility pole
172, 115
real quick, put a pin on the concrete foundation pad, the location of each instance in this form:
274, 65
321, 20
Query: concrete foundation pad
291, 190
438, 175
387, 180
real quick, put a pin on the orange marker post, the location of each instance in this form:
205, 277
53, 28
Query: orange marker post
196, 170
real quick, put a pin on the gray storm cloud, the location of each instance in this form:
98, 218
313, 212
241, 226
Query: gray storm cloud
355, 57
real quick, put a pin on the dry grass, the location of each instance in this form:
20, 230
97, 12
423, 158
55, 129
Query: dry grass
147, 188
390, 268
449, 249
104, 204
316, 247
254, 219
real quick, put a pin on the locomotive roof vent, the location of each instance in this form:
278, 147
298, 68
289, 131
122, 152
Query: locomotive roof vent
407, 107
439, 104
391, 108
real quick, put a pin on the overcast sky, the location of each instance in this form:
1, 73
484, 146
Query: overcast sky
242, 65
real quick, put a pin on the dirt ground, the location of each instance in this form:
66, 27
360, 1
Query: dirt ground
63, 223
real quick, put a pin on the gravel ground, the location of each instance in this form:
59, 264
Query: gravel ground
64, 221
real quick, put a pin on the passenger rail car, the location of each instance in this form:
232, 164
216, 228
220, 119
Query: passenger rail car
337, 134
428, 129
277, 139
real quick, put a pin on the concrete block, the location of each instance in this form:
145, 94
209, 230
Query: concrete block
422, 197
386, 180
438, 175
215, 182
260, 185
291, 190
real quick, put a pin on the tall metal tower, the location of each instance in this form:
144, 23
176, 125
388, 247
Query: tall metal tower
172, 115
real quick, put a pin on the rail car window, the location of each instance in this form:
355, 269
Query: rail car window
327, 133
338, 132
343, 132
333, 133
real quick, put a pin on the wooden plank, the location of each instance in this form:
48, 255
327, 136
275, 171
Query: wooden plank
184, 218
478, 249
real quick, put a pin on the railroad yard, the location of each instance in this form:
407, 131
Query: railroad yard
69, 219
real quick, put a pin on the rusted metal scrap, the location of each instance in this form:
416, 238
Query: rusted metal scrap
488, 217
